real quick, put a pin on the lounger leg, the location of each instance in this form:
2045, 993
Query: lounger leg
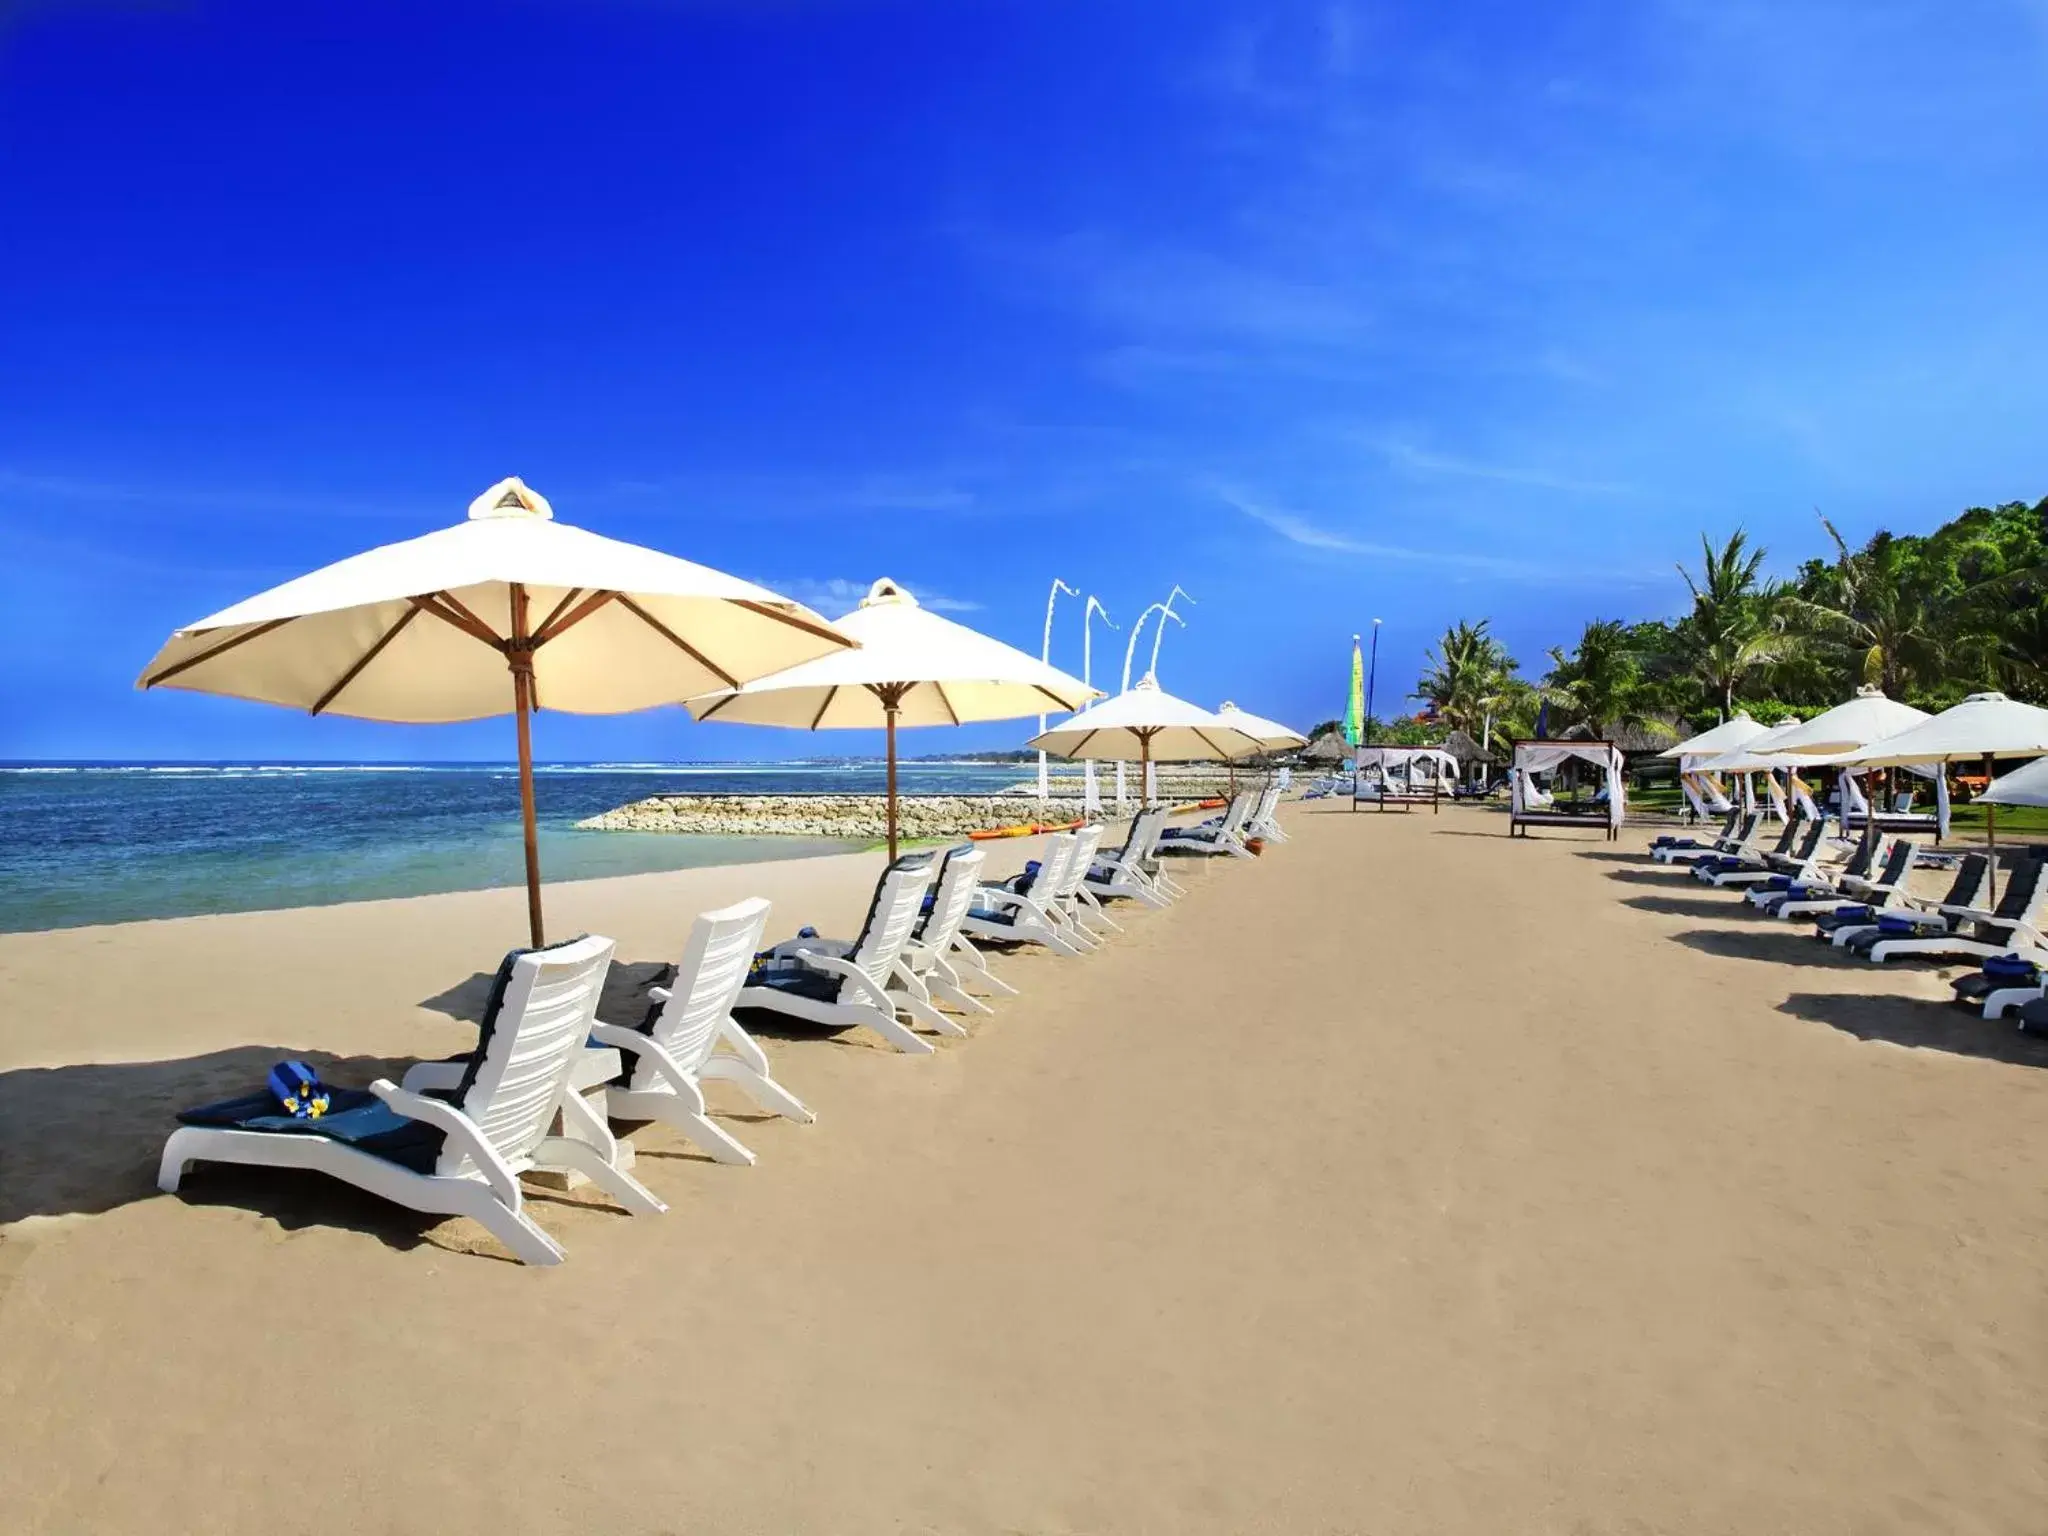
170, 1173
891, 1029
930, 1017
972, 957
953, 992
759, 1087
515, 1229
1093, 903
566, 1152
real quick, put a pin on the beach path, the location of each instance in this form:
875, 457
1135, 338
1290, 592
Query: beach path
1407, 1179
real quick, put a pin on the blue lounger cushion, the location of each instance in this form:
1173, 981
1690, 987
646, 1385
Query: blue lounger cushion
354, 1117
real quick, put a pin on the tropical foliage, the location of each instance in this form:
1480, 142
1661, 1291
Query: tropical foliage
1926, 617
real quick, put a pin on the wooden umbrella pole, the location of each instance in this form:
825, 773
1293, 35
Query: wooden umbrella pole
519, 653
1990, 829
889, 709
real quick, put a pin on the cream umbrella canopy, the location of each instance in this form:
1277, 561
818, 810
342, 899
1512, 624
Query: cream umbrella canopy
1733, 732
508, 611
912, 668
1850, 726
1144, 724
1985, 726
1271, 735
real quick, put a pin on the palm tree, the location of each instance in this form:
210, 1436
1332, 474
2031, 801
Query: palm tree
1469, 675
1882, 605
1736, 623
1601, 681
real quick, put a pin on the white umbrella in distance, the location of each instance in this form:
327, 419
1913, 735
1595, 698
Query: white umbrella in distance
1271, 735
1984, 727
912, 668
1729, 734
1850, 726
506, 612
1144, 725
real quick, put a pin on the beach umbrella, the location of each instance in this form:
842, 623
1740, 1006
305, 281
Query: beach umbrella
2027, 785
912, 668
1271, 735
1850, 726
1729, 734
1145, 724
1757, 755
1984, 727
506, 612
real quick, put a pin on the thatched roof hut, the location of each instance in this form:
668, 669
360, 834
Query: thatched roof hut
1467, 751
1330, 747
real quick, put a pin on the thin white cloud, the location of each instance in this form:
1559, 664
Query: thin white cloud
1298, 528
1410, 459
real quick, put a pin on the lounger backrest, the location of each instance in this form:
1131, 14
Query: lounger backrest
2021, 900
1898, 861
1789, 836
708, 980
1751, 822
959, 876
891, 915
1079, 861
1055, 865
1815, 831
530, 1042
1967, 889
1866, 855
1144, 834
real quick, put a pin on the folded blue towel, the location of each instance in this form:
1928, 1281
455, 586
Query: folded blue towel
298, 1091
2011, 968
1886, 923
1855, 910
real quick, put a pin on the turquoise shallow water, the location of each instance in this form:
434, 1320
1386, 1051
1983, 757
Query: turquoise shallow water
112, 842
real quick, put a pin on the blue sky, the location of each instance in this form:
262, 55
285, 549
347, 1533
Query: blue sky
1326, 311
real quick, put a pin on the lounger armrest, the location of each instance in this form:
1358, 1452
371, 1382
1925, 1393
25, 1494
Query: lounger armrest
1975, 914
642, 1047
459, 1129
426, 1076
847, 971
2018, 931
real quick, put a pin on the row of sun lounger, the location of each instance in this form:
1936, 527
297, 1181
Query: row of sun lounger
1857, 898
546, 1078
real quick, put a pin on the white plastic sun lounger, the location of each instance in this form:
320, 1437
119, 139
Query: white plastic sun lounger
1844, 924
1824, 886
1747, 864
2014, 924
1082, 906
927, 968
691, 1038
1027, 912
1223, 835
1121, 875
836, 985
460, 1155
1264, 821
1683, 855
1796, 858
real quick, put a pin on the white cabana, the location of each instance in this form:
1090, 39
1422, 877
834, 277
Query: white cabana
1406, 775
1534, 757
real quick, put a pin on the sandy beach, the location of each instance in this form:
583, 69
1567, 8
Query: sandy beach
1406, 1179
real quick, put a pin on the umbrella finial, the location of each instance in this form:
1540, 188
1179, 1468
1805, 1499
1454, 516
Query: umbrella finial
887, 590
511, 497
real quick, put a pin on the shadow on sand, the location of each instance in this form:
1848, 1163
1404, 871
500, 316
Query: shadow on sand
1663, 878
1920, 1025
1702, 905
79, 1140
1780, 944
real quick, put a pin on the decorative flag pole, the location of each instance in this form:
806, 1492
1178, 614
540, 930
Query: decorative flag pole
1354, 713
1045, 655
1165, 612
1091, 795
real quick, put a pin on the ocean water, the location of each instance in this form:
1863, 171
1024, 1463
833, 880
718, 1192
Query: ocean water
113, 842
